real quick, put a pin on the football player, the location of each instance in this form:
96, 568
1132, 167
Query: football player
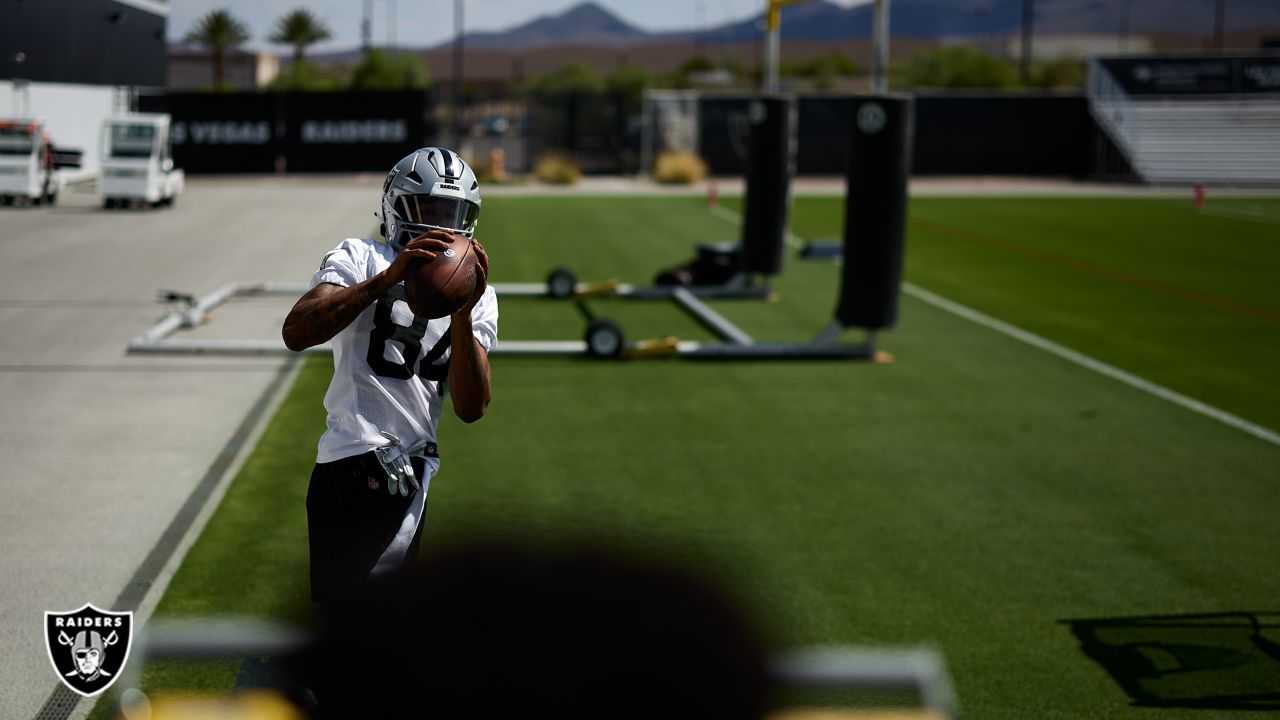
392, 371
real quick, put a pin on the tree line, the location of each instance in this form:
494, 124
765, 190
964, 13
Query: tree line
945, 68
220, 32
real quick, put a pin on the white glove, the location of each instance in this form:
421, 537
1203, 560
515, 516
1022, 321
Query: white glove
398, 462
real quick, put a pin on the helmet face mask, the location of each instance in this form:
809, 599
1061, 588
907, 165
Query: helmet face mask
423, 213
430, 189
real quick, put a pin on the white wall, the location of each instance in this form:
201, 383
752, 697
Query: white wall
73, 115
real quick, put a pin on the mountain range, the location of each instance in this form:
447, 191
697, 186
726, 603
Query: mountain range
589, 24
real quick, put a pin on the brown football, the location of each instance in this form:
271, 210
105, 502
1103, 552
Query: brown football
441, 287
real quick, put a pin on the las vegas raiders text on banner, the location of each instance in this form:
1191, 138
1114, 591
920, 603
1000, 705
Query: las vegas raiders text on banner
88, 647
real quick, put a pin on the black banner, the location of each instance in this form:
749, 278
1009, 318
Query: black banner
1003, 135
224, 132
297, 132
823, 131
954, 135
333, 132
1260, 75
1196, 76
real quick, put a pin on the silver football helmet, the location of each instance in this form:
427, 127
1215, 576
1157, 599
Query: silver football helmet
430, 189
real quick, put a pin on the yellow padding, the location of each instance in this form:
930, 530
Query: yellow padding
608, 287
251, 705
661, 347
855, 714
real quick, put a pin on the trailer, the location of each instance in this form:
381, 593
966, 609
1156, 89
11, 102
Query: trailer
137, 163
28, 168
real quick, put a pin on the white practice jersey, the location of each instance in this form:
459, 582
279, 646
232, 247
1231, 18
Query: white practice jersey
389, 366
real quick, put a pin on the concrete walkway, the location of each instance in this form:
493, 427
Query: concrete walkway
101, 449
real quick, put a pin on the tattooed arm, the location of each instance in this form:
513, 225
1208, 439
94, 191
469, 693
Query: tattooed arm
326, 309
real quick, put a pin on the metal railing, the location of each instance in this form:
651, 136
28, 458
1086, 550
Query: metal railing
1112, 109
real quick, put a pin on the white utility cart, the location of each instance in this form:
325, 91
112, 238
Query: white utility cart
137, 164
28, 170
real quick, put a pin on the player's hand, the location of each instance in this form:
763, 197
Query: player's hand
424, 247
482, 277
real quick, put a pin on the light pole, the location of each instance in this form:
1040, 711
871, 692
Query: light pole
455, 131
1124, 27
366, 27
1028, 18
880, 47
391, 25
1219, 18
724, 46
699, 9
773, 39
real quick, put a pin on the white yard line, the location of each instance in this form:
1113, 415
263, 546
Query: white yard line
1093, 364
1239, 213
1063, 352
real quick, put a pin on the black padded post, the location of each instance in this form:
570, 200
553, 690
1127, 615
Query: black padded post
770, 165
875, 210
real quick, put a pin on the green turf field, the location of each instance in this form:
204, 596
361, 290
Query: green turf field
975, 494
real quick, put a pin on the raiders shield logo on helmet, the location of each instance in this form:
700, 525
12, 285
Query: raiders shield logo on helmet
88, 647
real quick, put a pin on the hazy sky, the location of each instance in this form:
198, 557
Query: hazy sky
427, 22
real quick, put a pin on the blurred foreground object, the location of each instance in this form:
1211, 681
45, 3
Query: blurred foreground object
499, 628
253, 705
513, 627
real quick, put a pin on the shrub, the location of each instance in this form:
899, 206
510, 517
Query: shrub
556, 170
679, 168
955, 67
304, 76
1062, 72
382, 71
574, 78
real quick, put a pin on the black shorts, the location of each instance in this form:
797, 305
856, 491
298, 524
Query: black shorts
351, 520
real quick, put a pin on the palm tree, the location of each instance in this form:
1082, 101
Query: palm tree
218, 30
299, 28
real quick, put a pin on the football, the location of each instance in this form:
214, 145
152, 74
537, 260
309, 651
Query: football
442, 286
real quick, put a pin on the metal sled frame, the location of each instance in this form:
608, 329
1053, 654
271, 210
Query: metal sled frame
735, 343
604, 338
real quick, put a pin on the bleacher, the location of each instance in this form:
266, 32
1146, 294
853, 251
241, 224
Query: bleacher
1215, 138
